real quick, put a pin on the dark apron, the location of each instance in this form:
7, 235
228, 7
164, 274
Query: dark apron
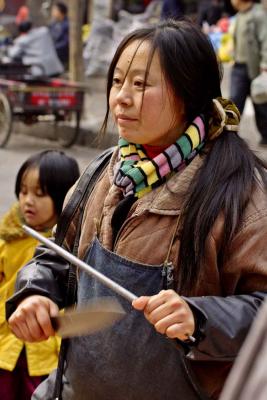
130, 360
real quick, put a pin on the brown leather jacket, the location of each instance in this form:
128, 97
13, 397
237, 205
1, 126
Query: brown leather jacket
227, 297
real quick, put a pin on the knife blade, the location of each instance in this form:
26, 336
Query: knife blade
95, 316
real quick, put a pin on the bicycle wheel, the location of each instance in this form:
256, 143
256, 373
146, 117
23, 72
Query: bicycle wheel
67, 131
5, 120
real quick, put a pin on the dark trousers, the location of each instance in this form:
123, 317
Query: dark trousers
240, 90
18, 385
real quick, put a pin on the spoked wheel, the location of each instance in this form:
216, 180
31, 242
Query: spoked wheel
5, 120
67, 131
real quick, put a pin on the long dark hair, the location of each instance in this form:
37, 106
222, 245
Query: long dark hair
225, 181
188, 63
57, 173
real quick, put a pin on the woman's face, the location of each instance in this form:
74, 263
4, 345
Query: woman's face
36, 207
144, 115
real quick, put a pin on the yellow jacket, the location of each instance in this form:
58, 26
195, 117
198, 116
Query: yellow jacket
16, 249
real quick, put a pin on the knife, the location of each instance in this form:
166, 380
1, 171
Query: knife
96, 315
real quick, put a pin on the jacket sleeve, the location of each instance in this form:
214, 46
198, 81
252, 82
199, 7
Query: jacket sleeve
46, 274
223, 324
16, 51
2, 269
225, 320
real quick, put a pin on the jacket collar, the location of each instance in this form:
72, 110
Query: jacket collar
11, 225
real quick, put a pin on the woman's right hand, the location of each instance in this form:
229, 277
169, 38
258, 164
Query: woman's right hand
31, 322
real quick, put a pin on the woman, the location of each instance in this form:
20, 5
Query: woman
178, 217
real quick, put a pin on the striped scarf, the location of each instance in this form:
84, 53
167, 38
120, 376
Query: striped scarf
137, 175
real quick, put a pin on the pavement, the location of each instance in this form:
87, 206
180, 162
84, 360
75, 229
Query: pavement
26, 140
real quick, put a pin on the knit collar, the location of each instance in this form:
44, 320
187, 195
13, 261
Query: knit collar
138, 175
163, 200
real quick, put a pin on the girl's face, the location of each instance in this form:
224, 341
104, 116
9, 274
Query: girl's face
144, 115
36, 207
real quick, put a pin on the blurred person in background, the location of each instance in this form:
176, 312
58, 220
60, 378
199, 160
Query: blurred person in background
23, 15
250, 57
34, 47
172, 9
228, 7
2, 5
41, 185
209, 12
59, 29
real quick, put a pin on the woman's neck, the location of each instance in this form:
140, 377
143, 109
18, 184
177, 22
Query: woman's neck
154, 151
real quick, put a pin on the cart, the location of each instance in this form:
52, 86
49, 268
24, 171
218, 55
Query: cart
26, 98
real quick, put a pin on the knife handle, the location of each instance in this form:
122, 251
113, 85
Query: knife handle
55, 323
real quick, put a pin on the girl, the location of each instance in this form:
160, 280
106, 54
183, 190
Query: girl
178, 217
41, 185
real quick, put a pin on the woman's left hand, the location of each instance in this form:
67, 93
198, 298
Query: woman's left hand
169, 313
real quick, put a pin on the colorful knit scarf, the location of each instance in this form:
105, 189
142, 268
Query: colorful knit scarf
137, 174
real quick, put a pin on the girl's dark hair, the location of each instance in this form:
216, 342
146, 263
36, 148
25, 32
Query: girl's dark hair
225, 181
57, 173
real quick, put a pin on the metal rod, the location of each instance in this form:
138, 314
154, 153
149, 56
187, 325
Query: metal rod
81, 264
87, 268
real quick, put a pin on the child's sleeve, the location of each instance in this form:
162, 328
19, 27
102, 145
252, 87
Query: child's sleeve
2, 261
